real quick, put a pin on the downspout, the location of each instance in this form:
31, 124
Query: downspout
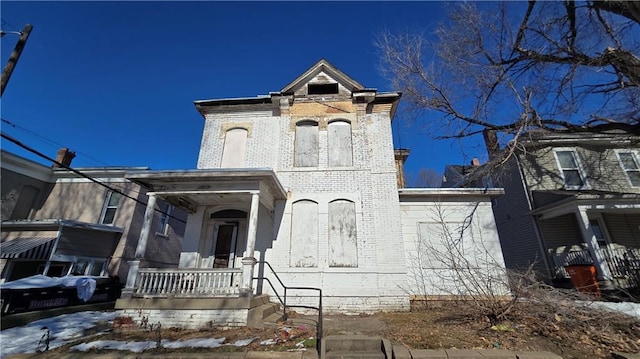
535, 223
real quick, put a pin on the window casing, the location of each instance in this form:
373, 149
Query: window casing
630, 163
304, 234
339, 144
235, 144
306, 144
110, 207
570, 168
163, 226
343, 243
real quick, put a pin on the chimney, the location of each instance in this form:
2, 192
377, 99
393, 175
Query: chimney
491, 142
401, 155
475, 162
64, 156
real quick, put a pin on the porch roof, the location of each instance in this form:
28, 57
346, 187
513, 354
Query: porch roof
591, 200
190, 188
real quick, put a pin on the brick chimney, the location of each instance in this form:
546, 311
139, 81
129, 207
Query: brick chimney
491, 142
64, 156
475, 162
401, 155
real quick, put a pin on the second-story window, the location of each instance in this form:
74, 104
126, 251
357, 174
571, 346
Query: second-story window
110, 207
631, 166
339, 144
306, 147
569, 164
235, 143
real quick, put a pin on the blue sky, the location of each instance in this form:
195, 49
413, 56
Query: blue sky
116, 81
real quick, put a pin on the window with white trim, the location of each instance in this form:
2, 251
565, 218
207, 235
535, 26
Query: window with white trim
569, 164
110, 207
339, 141
306, 147
631, 166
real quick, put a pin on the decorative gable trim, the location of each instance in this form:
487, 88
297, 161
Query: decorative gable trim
322, 66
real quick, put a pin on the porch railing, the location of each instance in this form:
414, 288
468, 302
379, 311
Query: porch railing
623, 263
173, 282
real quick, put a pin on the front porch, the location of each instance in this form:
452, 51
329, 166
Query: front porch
213, 284
599, 229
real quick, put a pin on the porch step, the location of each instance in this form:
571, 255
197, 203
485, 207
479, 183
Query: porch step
263, 315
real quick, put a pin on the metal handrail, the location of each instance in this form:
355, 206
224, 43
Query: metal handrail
285, 306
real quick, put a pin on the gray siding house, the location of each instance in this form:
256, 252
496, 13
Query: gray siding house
572, 199
55, 222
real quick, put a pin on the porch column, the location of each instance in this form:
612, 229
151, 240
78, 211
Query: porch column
249, 261
146, 227
127, 292
592, 244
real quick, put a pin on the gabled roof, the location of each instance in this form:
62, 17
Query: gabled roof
323, 66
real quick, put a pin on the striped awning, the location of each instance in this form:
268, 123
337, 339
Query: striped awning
27, 248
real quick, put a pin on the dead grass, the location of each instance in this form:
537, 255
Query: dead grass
569, 331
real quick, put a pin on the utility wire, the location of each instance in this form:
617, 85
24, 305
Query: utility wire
34, 151
50, 141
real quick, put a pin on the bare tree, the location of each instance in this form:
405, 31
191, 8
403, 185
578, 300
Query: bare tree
512, 67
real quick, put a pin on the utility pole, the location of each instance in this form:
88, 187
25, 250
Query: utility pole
15, 55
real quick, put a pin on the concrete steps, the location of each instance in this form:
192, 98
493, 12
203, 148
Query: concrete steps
266, 314
355, 347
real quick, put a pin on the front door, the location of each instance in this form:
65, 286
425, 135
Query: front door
225, 242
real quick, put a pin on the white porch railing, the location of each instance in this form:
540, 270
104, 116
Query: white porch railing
174, 282
623, 262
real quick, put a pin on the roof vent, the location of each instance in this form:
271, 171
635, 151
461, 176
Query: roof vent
322, 89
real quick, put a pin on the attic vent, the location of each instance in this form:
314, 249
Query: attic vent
322, 89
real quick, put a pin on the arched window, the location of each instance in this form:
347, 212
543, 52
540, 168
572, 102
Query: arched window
306, 147
343, 239
235, 143
304, 234
340, 151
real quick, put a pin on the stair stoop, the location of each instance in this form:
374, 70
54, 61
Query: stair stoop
264, 315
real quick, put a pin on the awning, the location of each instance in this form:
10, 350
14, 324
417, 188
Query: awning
27, 248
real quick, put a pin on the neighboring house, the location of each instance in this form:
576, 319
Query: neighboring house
55, 222
465, 176
306, 179
572, 199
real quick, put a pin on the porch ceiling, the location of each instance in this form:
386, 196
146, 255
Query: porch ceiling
191, 188
597, 202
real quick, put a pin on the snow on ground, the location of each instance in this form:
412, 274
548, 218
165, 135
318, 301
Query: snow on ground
69, 327
628, 308
64, 328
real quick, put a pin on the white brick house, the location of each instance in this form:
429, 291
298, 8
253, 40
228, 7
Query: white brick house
305, 179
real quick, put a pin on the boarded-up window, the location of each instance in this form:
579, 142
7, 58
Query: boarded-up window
304, 234
340, 144
343, 247
306, 151
235, 143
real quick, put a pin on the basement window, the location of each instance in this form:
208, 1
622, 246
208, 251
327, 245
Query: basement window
322, 89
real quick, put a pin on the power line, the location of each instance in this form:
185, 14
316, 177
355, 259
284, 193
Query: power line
36, 152
50, 141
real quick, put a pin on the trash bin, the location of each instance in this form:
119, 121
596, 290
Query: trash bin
584, 278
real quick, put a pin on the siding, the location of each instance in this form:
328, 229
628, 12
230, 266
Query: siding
624, 229
518, 236
560, 231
